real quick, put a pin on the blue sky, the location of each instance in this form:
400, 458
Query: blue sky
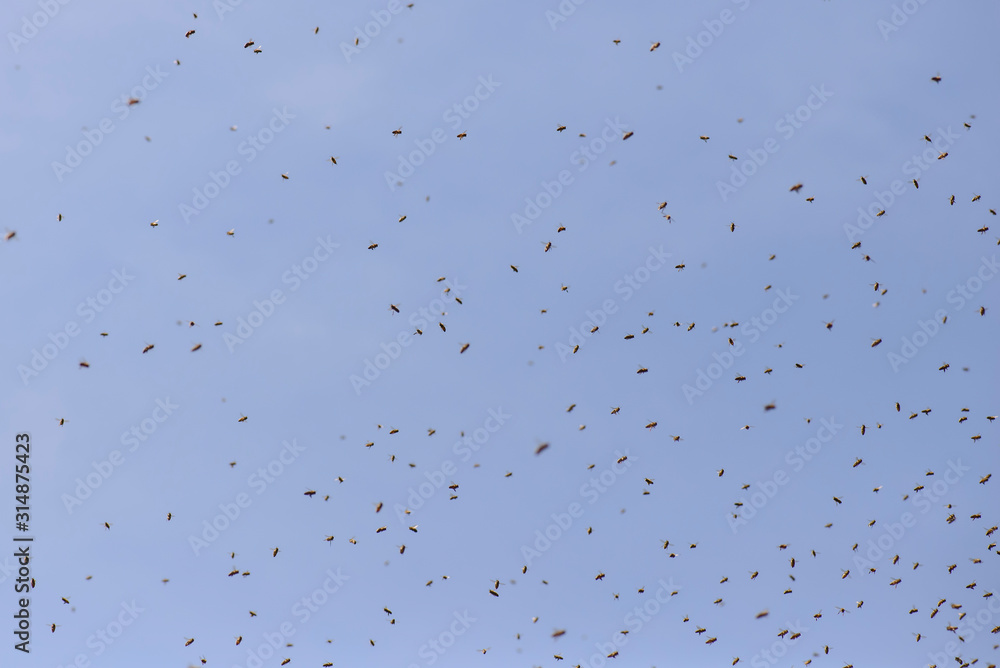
322, 286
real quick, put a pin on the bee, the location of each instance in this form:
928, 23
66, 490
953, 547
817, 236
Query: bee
414, 528
465, 346
548, 245
740, 379
169, 515
614, 411
243, 418
373, 246
732, 227
837, 500
895, 582
398, 131
936, 79
797, 187
188, 641
944, 367
189, 33
600, 576
654, 46
627, 135
680, 267
863, 180
915, 184
642, 369
856, 463
943, 156
951, 200
197, 346
461, 135
541, 448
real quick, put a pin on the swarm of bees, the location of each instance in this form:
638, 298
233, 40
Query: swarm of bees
839, 433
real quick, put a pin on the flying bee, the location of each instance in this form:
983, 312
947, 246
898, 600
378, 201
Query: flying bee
797, 187
465, 346
627, 135
398, 131
642, 369
651, 426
